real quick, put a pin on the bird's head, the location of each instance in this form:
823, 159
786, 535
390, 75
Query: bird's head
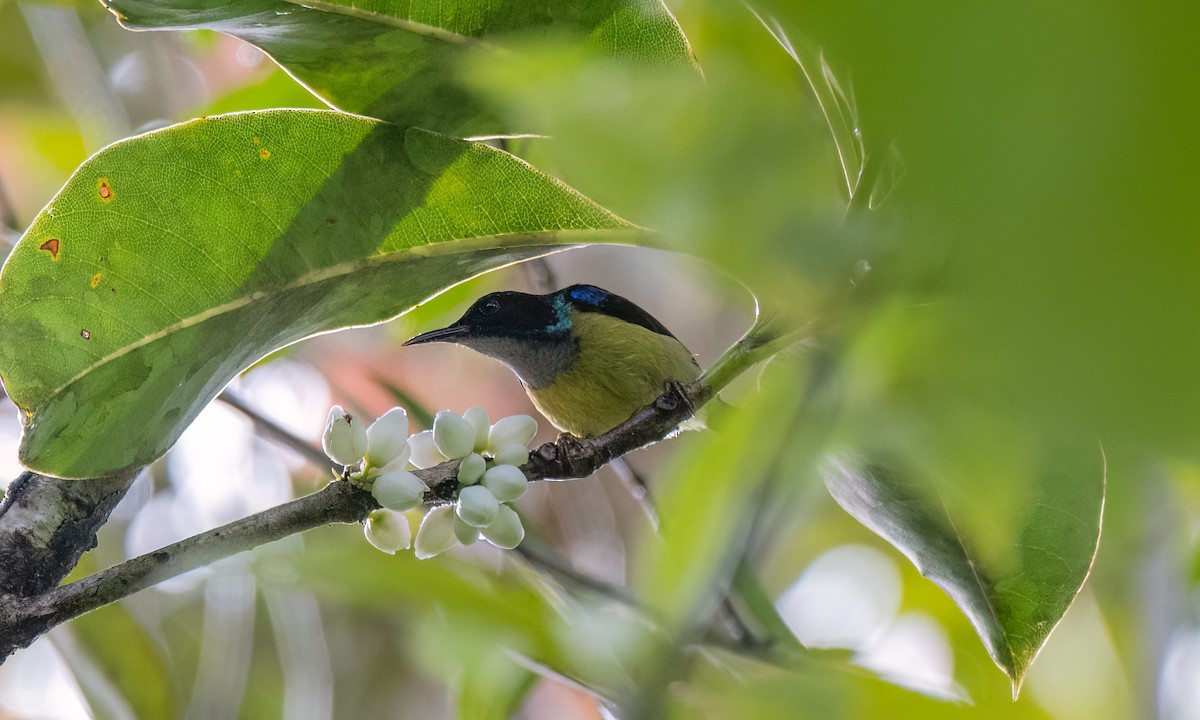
534, 334
529, 333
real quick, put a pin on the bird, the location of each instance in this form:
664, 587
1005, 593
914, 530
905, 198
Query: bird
588, 358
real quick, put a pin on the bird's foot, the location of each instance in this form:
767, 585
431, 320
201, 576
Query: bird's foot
674, 395
572, 454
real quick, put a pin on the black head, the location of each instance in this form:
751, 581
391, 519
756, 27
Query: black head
505, 314
520, 316
532, 334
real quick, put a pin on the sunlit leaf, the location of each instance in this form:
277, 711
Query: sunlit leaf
397, 61
171, 261
1015, 607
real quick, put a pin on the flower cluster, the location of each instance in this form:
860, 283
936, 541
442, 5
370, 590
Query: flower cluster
381, 457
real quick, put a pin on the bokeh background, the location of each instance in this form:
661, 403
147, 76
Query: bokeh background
1033, 268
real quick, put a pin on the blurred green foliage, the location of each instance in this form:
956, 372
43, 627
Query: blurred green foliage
1025, 284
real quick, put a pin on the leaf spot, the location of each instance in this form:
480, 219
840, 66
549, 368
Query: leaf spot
85, 334
104, 190
50, 246
256, 140
95, 280
264, 153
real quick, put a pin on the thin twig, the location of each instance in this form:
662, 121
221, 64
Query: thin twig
23, 620
276, 431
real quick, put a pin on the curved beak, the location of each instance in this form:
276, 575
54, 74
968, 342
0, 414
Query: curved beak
446, 334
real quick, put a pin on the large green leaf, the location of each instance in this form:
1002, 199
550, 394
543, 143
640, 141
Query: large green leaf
398, 60
1013, 603
171, 261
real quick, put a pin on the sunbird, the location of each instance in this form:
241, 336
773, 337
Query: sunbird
588, 358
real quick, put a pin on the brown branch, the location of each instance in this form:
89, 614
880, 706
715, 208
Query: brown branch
28, 608
46, 524
23, 620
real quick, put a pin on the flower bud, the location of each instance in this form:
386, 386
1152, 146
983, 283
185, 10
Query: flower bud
387, 438
478, 418
506, 482
398, 490
506, 531
424, 452
517, 429
477, 506
387, 530
454, 436
345, 439
512, 454
471, 469
436, 534
466, 534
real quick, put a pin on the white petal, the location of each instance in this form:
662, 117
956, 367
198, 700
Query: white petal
436, 534
424, 452
471, 469
387, 530
479, 420
398, 490
477, 506
466, 534
516, 429
506, 482
454, 436
506, 531
512, 454
387, 437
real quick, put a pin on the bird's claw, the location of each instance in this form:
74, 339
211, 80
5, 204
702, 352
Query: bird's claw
674, 394
572, 452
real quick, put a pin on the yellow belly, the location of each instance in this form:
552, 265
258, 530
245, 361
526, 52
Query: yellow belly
619, 369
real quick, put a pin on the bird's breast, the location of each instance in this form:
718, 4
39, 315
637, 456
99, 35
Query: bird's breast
618, 368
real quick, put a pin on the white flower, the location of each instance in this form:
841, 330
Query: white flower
471, 469
517, 429
477, 506
478, 418
436, 534
512, 454
506, 531
506, 482
466, 534
345, 439
424, 452
387, 438
388, 530
454, 436
398, 490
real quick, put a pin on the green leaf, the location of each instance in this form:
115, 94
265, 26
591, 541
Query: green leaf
398, 61
1013, 604
711, 491
171, 261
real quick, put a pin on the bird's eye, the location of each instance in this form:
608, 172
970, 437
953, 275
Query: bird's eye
490, 307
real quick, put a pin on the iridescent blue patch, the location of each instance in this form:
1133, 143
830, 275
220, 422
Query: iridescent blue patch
589, 295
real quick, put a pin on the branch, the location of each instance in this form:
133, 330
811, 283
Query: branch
339, 502
46, 524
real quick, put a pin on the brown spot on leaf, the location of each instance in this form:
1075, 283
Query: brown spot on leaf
104, 190
256, 140
85, 334
264, 153
95, 280
50, 246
